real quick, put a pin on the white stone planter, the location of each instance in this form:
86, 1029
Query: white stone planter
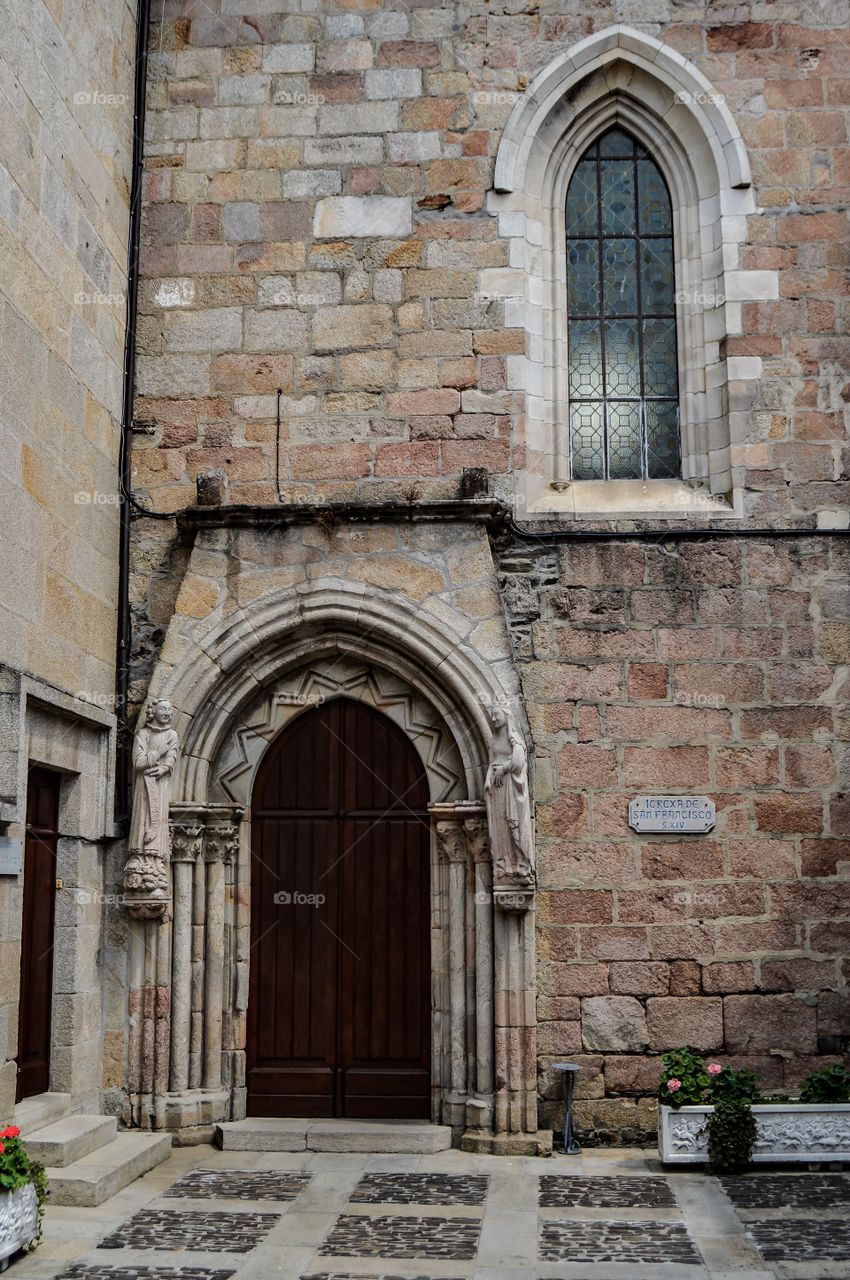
784, 1132
18, 1221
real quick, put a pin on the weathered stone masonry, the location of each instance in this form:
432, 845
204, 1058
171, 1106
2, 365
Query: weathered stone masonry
321, 221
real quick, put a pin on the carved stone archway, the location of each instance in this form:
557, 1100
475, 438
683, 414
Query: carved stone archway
189, 972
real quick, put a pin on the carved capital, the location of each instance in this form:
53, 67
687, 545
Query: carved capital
451, 841
186, 841
477, 842
221, 841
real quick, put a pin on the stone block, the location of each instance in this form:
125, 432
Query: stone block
362, 216
782, 1023
674, 1021
341, 328
306, 184
613, 1024
394, 83
218, 329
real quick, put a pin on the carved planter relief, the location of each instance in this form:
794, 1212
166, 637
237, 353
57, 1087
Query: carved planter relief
18, 1220
791, 1132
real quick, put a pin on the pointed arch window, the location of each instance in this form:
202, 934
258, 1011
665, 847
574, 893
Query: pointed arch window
621, 317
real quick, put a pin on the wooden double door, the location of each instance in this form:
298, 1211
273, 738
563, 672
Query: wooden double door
339, 1001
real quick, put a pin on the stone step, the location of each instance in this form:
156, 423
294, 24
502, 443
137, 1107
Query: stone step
101, 1174
42, 1109
410, 1137
61, 1143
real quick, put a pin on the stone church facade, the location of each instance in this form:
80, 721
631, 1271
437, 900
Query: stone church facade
426, 424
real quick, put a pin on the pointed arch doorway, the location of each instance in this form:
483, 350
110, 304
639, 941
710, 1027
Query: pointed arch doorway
339, 1001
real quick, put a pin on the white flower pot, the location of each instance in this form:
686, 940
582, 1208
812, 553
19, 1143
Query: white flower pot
784, 1132
18, 1221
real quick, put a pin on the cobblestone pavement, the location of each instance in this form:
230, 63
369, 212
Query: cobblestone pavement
604, 1215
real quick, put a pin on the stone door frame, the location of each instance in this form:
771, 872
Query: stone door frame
189, 973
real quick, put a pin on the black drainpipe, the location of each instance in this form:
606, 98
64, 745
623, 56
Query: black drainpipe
122, 666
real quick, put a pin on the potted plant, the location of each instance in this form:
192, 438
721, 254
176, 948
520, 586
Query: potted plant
23, 1191
716, 1115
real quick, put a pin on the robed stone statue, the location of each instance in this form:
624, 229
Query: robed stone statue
146, 878
508, 804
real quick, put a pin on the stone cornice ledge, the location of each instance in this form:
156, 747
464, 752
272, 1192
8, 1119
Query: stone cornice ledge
489, 511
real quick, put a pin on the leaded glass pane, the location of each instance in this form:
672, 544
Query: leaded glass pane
659, 357
616, 142
585, 359
662, 439
656, 276
618, 197
583, 278
623, 377
654, 216
587, 439
582, 202
624, 460
622, 358
620, 277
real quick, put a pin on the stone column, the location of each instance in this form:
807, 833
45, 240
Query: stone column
475, 830
186, 845
515, 1116
221, 844
452, 846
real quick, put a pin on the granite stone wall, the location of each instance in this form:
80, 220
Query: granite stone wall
65, 151
319, 247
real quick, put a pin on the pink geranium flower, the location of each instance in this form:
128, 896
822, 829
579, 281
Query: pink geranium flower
714, 1068
673, 1085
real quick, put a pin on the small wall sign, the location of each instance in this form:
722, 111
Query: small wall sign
11, 856
672, 813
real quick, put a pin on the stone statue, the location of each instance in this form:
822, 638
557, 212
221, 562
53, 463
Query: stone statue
508, 805
146, 879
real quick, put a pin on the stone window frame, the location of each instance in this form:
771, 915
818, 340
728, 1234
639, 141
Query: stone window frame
620, 76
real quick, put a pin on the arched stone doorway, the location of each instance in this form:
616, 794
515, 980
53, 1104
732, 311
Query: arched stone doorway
234, 686
340, 994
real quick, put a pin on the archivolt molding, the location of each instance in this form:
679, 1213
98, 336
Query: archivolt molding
338, 676
622, 76
690, 95
218, 677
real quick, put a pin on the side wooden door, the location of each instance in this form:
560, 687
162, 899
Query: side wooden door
42, 833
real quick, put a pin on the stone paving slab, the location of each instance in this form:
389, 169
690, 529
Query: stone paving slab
615, 1241
421, 1188
239, 1184
211, 1232
802, 1239
557, 1191
788, 1191
402, 1236
84, 1271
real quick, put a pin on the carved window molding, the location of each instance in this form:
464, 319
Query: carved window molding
621, 77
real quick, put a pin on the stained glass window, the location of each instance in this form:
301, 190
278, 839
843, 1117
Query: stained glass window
623, 380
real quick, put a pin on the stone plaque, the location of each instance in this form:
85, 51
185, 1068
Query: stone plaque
671, 813
11, 856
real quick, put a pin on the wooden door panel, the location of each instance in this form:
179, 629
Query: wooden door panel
37, 932
339, 1007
